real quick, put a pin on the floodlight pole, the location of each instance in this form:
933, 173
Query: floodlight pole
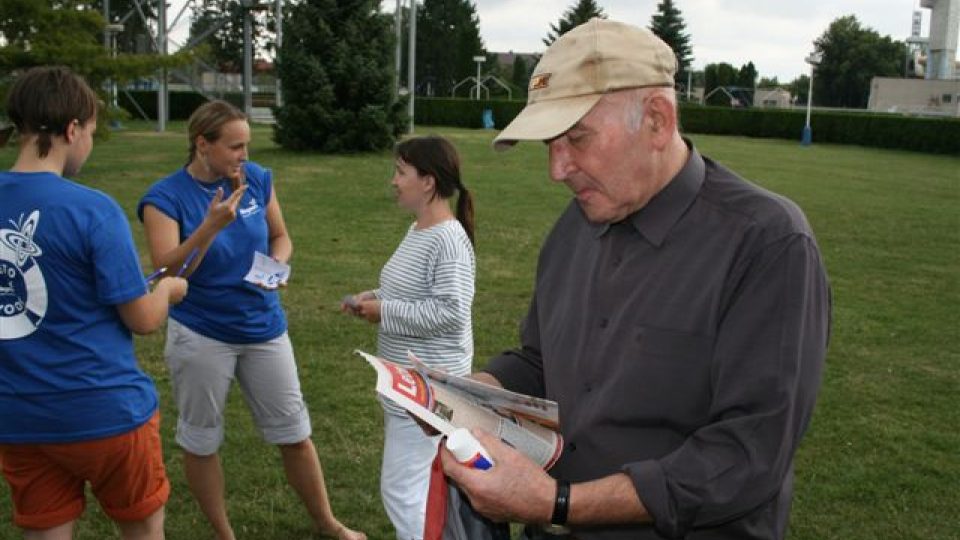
112, 30
279, 94
807, 136
106, 18
479, 60
247, 60
412, 60
162, 90
397, 20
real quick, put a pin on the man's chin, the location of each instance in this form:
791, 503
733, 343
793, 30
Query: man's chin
593, 214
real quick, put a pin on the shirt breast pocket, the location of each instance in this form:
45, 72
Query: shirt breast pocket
665, 377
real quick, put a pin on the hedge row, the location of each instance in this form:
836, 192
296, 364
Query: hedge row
921, 134
931, 135
181, 105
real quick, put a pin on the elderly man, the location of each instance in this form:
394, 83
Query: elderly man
680, 318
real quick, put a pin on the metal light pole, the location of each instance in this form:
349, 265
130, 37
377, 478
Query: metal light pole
397, 22
479, 60
247, 60
106, 17
162, 91
412, 60
112, 30
279, 15
813, 60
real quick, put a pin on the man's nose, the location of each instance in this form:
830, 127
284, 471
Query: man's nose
561, 164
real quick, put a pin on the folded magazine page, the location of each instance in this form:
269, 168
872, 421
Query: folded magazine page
447, 402
542, 411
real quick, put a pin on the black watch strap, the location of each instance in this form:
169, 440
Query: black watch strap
561, 506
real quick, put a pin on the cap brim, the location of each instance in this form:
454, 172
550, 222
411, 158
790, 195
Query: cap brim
545, 120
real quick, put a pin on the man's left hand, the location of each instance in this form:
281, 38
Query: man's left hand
515, 489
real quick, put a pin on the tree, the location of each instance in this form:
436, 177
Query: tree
747, 76
137, 29
69, 33
448, 37
768, 82
668, 24
716, 76
582, 12
521, 73
224, 46
800, 88
737, 84
336, 64
852, 56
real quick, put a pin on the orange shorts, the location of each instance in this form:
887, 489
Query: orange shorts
125, 472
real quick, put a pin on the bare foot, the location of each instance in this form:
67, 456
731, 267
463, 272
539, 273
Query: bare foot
342, 532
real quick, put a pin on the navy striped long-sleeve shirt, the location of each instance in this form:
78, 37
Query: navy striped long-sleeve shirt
426, 292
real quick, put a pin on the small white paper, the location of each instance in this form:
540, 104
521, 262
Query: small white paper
267, 272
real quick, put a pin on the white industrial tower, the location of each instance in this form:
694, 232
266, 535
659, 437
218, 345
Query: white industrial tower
944, 26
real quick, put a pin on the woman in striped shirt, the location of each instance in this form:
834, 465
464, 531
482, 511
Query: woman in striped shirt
423, 305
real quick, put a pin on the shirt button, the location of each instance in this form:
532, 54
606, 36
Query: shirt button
617, 261
572, 447
604, 322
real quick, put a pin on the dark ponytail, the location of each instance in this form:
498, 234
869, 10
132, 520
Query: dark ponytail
435, 156
465, 212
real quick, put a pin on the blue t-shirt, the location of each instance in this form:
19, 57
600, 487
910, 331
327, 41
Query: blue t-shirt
67, 367
220, 304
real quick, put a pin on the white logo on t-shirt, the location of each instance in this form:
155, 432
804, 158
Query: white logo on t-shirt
250, 209
23, 291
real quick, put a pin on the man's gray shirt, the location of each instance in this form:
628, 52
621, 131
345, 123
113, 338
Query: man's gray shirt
684, 346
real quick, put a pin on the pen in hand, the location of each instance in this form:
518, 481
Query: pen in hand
159, 272
186, 263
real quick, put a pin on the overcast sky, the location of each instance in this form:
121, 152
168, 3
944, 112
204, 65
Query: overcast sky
775, 35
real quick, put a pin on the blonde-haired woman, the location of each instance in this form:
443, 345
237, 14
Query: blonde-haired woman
213, 215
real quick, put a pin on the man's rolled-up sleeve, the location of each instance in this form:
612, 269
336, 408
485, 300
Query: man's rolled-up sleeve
765, 375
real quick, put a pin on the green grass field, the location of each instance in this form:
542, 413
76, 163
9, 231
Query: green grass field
881, 460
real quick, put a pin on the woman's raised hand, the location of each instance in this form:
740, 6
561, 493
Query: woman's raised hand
222, 211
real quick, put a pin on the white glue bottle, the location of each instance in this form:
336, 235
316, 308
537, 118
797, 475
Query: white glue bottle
467, 449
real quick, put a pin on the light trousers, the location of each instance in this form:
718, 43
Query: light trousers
405, 474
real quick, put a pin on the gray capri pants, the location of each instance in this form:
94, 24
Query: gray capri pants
202, 370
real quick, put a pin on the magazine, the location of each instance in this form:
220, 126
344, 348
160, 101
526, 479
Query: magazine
447, 402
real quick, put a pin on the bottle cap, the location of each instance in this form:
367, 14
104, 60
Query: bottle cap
468, 450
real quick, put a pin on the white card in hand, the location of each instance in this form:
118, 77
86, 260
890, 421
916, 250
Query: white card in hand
267, 272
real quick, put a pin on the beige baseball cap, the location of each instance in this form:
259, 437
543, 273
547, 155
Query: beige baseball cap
597, 57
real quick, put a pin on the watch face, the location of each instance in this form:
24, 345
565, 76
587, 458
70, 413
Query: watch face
557, 530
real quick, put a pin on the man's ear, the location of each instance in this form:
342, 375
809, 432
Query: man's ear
661, 119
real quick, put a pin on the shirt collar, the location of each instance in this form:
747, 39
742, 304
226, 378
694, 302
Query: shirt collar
655, 220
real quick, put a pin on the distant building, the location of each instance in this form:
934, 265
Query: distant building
929, 97
218, 81
935, 59
776, 98
506, 59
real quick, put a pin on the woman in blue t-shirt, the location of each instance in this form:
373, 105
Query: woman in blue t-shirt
210, 219
75, 408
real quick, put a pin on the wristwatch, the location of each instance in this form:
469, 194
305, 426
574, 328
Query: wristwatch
561, 507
